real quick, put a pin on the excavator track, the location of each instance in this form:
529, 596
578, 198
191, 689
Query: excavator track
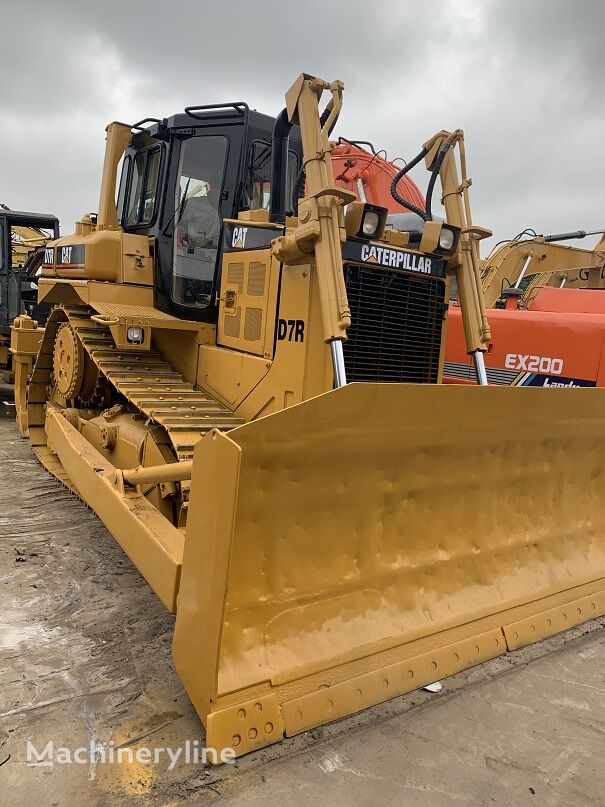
142, 377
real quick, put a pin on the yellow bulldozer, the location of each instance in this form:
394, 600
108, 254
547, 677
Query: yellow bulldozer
240, 374
23, 237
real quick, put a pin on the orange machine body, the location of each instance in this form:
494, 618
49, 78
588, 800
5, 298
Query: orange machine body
558, 340
353, 165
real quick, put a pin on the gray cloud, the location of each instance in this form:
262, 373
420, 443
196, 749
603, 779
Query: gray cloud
522, 78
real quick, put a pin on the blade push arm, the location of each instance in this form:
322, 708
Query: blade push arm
320, 213
458, 212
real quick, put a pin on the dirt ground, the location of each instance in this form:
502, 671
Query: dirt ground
85, 659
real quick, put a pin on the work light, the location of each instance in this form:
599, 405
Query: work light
365, 221
447, 239
135, 335
370, 223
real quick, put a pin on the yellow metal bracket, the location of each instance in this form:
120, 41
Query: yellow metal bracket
25, 342
299, 242
245, 727
348, 697
554, 620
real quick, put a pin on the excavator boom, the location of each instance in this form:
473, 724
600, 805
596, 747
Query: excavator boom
543, 262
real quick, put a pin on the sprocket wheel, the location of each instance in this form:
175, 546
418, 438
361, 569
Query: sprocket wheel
93, 384
68, 362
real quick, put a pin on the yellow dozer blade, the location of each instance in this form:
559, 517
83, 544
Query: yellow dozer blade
379, 537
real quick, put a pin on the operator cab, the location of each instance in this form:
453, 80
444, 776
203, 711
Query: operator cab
22, 240
181, 177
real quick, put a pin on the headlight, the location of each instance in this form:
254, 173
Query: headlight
370, 224
135, 335
447, 239
364, 220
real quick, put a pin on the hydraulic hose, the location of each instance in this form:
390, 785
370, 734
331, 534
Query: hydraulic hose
396, 179
434, 174
358, 143
297, 190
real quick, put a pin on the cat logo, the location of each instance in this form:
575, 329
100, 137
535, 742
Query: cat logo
239, 237
65, 254
370, 253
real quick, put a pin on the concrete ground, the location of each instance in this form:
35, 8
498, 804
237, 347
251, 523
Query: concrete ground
85, 658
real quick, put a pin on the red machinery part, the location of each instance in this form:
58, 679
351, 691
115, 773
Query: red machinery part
557, 341
352, 164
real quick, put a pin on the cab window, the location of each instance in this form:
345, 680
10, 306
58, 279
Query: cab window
121, 191
143, 188
259, 175
198, 222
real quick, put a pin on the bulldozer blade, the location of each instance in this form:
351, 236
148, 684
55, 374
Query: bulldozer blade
378, 538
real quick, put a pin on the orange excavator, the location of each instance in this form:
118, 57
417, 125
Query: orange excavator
546, 307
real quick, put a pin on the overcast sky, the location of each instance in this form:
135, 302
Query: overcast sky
523, 78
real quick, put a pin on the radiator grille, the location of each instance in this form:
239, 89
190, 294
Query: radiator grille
396, 326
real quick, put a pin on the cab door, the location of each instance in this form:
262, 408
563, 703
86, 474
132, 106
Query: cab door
201, 191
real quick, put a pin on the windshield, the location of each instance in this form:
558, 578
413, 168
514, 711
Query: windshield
197, 218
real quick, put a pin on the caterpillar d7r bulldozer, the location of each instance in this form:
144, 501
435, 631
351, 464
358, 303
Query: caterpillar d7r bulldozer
249, 400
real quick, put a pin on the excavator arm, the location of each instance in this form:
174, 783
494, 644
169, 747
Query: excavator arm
549, 262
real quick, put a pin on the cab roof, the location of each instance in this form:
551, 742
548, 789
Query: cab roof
259, 125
